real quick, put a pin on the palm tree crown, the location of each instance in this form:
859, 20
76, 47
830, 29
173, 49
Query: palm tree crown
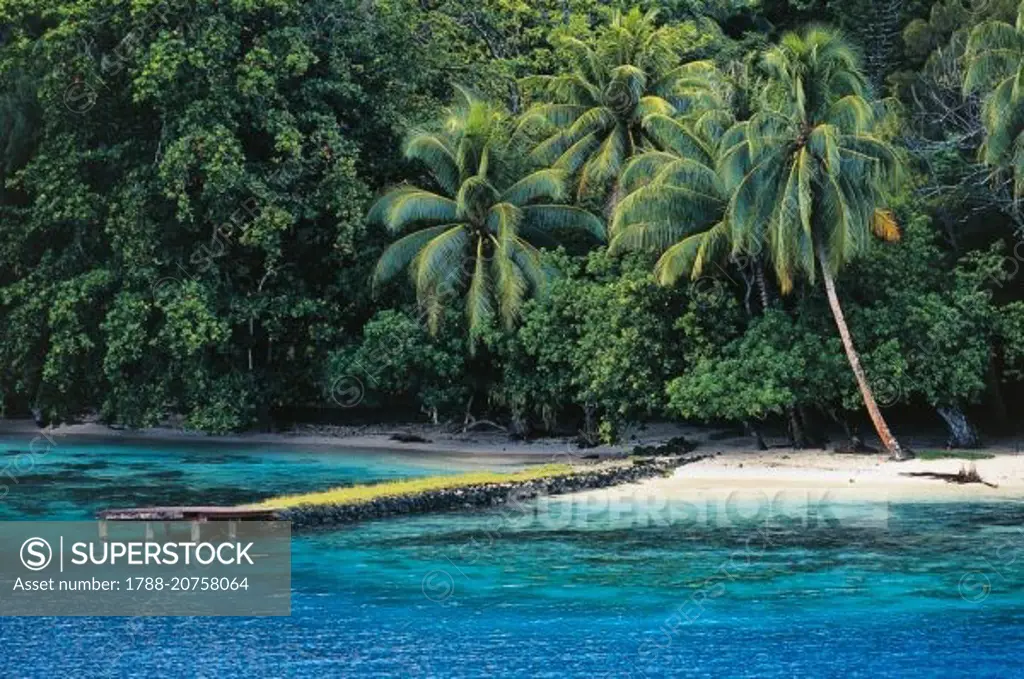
675, 202
619, 94
809, 174
477, 233
995, 64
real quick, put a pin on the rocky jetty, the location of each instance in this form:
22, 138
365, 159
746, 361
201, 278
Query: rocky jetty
484, 495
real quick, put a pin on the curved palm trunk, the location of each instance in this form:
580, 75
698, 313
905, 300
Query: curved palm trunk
889, 441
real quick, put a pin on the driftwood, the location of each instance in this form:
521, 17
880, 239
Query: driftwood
962, 477
475, 424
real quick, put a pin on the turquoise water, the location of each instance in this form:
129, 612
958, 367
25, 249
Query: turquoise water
569, 590
58, 481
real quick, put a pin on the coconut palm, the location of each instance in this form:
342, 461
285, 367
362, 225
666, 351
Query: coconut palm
621, 93
995, 65
810, 177
477, 233
675, 202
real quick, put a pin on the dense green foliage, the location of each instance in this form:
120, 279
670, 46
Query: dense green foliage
610, 212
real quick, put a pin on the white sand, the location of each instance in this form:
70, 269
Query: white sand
844, 478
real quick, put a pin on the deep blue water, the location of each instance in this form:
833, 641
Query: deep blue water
568, 590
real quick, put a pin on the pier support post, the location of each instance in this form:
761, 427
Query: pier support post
195, 530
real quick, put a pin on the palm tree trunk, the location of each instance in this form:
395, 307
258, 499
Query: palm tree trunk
889, 441
762, 284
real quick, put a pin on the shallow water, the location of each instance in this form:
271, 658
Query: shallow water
60, 481
861, 591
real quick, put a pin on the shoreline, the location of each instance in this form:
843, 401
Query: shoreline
485, 445
730, 467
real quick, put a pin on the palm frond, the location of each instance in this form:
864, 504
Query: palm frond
478, 298
994, 51
824, 142
1004, 122
568, 89
575, 156
703, 72
650, 105
884, 226
695, 176
549, 185
887, 164
556, 115
851, 114
671, 135
836, 214
647, 237
438, 267
552, 148
399, 254
408, 205
628, 81
662, 203
604, 165
528, 259
510, 284
753, 202
504, 216
439, 158
550, 218
691, 255
713, 125
642, 169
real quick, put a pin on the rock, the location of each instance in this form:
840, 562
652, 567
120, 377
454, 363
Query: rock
674, 446
402, 437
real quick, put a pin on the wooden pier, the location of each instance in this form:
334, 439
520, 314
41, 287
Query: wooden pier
187, 514
197, 516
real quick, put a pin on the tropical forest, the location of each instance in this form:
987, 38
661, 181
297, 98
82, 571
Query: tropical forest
800, 218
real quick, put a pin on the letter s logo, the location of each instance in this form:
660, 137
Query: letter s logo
36, 554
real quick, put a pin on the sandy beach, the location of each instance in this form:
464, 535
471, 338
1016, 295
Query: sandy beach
841, 477
731, 470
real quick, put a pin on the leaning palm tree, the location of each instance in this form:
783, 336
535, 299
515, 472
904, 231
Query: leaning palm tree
995, 66
810, 177
619, 94
477, 233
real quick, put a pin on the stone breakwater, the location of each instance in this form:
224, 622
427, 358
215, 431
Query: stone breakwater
482, 495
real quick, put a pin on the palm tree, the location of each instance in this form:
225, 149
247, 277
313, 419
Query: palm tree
675, 202
810, 177
477, 233
622, 92
995, 63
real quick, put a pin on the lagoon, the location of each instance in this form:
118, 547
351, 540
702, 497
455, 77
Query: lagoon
915, 589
